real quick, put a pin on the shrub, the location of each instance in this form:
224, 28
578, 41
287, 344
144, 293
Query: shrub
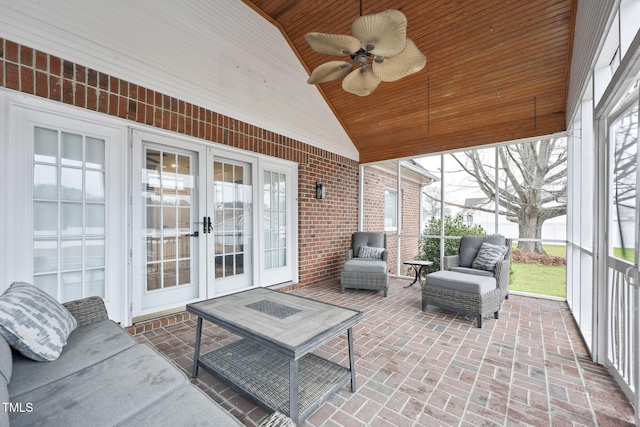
453, 226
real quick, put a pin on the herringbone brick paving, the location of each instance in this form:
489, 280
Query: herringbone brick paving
434, 368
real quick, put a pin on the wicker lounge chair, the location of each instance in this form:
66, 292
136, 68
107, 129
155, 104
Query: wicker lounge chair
366, 268
461, 287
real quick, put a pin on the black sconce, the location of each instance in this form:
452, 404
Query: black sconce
321, 192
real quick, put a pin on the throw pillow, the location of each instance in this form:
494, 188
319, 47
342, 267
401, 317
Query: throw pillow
34, 323
370, 252
488, 256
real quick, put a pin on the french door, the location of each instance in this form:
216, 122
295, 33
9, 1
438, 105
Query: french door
193, 221
168, 222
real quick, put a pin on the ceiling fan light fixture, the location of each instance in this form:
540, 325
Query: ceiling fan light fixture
379, 48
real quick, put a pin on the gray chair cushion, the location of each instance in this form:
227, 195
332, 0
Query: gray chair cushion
33, 322
470, 245
367, 238
86, 346
469, 270
187, 406
461, 282
365, 265
103, 394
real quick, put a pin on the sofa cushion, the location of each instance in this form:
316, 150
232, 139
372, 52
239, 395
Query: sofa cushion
33, 322
488, 256
86, 346
370, 252
365, 265
461, 282
102, 394
470, 245
186, 406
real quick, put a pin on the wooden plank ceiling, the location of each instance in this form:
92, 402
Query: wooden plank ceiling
496, 71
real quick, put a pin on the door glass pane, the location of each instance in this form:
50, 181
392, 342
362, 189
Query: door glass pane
71, 184
45, 218
95, 149
71, 153
60, 177
275, 211
71, 254
95, 253
71, 218
95, 219
94, 186
45, 256
168, 193
71, 287
624, 134
45, 182
94, 282
232, 219
45, 145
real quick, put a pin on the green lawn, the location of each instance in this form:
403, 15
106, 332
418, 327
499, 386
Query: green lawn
539, 279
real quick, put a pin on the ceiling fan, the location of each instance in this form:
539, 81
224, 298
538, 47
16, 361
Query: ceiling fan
379, 48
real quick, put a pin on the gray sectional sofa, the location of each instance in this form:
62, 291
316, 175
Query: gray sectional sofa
103, 378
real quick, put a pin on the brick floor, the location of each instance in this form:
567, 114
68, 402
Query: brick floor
434, 368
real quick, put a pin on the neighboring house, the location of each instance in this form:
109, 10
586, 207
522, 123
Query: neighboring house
380, 209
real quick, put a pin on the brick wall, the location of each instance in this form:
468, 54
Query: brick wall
375, 183
325, 226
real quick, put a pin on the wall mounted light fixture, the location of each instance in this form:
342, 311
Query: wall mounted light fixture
321, 192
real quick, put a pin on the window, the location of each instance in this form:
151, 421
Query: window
69, 214
390, 209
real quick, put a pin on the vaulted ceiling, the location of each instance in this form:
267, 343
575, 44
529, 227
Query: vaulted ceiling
496, 71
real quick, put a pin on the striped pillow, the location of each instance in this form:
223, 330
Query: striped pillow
370, 252
488, 256
34, 323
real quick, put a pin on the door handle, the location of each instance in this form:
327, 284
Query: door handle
206, 225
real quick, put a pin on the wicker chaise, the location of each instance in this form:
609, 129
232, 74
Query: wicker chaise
473, 291
366, 269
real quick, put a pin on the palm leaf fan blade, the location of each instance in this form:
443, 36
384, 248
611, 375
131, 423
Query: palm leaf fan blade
407, 62
360, 83
329, 71
332, 44
382, 34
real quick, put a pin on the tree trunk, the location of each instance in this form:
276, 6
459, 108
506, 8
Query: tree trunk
530, 227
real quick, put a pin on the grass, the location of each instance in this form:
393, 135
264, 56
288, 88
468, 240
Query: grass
541, 279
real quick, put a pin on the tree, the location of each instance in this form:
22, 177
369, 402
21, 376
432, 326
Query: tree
453, 226
532, 187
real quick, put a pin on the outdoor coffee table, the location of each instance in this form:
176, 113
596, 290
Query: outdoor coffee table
273, 363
